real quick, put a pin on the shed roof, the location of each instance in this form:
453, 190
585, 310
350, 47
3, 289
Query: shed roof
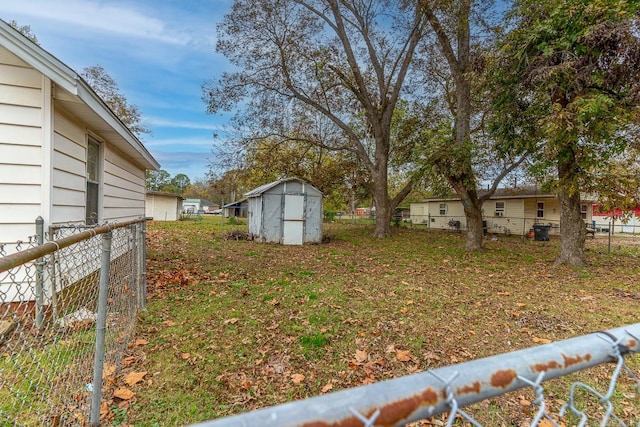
237, 203
76, 96
258, 191
164, 193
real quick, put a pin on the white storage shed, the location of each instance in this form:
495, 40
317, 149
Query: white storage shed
288, 211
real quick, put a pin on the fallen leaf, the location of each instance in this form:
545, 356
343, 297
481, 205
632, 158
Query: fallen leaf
108, 370
361, 356
506, 293
140, 341
169, 322
297, 378
520, 305
391, 348
540, 340
327, 387
128, 360
124, 393
134, 378
404, 356
232, 320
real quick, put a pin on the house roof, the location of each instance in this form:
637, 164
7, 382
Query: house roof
504, 193
77, 97
528, 192
258, 191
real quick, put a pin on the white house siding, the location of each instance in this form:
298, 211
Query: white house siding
419, 213
124, 187
21, 136
69, 171
453, 211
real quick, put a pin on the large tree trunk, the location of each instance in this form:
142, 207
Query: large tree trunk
572, 229
475, 231
383, 220
473, 215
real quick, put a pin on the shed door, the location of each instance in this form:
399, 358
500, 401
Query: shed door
293, 220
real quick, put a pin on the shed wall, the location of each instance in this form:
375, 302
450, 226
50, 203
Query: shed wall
266, 212
163, 208
254, 215
313, 223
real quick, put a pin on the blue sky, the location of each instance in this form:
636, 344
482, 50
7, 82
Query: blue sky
158, 51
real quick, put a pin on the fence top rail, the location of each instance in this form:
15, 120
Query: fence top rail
14, 260
402, 400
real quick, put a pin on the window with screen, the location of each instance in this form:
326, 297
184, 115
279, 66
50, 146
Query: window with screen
93, 184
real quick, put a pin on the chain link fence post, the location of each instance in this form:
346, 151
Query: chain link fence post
40, 262
143, 265
101, 323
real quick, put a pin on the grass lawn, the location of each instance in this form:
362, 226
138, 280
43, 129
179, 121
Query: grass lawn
233, 326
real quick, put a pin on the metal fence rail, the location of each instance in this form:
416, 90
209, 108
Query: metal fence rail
446, 390
67, 310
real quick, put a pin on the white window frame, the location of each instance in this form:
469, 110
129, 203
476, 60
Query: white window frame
584, 210
500, 210
539, 209
443, 209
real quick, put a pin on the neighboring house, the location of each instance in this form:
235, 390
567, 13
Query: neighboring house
508, 211
627, 223
64, 155
192, 206
288, 211
162, 206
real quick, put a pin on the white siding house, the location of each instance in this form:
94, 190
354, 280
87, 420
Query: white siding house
508, 211
64, 155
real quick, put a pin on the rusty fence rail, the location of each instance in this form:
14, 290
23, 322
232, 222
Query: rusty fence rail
68, 304
447, 390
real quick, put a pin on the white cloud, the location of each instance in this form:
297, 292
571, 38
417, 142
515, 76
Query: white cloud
168, 123
196, 143
116, 19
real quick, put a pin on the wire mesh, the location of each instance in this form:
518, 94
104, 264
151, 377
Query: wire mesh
48, 313
445, 391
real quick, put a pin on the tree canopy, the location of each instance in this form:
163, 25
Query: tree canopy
107, 88
330, 73
567, 84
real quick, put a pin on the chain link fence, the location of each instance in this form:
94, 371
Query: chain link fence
447, 390
67, 311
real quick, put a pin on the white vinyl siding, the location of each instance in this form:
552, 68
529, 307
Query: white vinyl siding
69, 170
21, 102
124, 187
